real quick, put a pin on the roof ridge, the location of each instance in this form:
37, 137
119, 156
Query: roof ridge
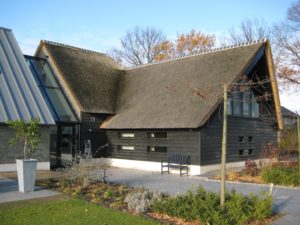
202, 52
72, 47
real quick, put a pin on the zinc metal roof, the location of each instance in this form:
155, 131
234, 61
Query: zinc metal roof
20, 97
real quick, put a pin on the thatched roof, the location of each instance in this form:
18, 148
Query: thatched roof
180, 93
92, 77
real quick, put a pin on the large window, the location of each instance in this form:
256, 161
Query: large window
243, 103
56, 100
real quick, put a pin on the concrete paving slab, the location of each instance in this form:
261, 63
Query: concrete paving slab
9, 192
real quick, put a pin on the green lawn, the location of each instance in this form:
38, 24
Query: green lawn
63, 212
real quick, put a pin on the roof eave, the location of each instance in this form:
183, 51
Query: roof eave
274, 86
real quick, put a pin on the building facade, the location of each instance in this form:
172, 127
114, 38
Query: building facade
136, 117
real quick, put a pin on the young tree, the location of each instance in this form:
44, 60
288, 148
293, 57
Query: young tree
184, 44
138, 46
27, 132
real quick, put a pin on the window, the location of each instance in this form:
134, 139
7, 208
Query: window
157, 135
250, 151
126, 147
229, 106
237, 99
53, 94
243, 104
255, 107
241, 139
157, 149
250, 139
246, 103
241, 152
126, 135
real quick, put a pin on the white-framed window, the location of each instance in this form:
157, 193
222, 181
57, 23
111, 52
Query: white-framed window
127, 135
126, 147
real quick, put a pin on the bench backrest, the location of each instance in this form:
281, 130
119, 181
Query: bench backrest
178, 158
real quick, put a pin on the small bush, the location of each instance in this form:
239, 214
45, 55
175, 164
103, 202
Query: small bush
233, 176
281, 175
288, 141
84, 173
140, 202
205, 207
251, 168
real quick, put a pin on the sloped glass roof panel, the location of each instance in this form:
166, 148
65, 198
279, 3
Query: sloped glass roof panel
60, 107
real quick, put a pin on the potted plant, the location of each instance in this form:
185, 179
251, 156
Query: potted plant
26, 168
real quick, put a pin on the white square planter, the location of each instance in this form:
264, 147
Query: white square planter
26, 174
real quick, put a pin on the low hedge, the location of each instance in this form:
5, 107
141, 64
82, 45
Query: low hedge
205, 207
281, 175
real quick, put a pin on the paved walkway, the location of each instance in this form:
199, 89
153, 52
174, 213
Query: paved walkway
286, 200
9, 192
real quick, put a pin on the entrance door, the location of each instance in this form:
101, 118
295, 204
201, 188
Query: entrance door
64, 145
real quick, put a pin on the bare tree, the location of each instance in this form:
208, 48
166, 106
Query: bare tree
287, 46
138, 46
294, 15
249, 30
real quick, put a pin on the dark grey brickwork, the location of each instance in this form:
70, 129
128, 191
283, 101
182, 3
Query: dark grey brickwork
9, 153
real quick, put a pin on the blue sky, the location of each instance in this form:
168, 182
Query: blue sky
98, 25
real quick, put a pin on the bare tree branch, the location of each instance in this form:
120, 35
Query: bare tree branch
138, 46
294, 15
249, 30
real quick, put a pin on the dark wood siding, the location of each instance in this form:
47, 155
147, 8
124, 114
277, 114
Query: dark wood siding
177, 141
89, 129
261, 131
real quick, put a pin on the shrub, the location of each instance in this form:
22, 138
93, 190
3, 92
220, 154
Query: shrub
205, 207
288, 141
84, 174
271, 152
140, 202
250, 168
233, 175
281, 175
